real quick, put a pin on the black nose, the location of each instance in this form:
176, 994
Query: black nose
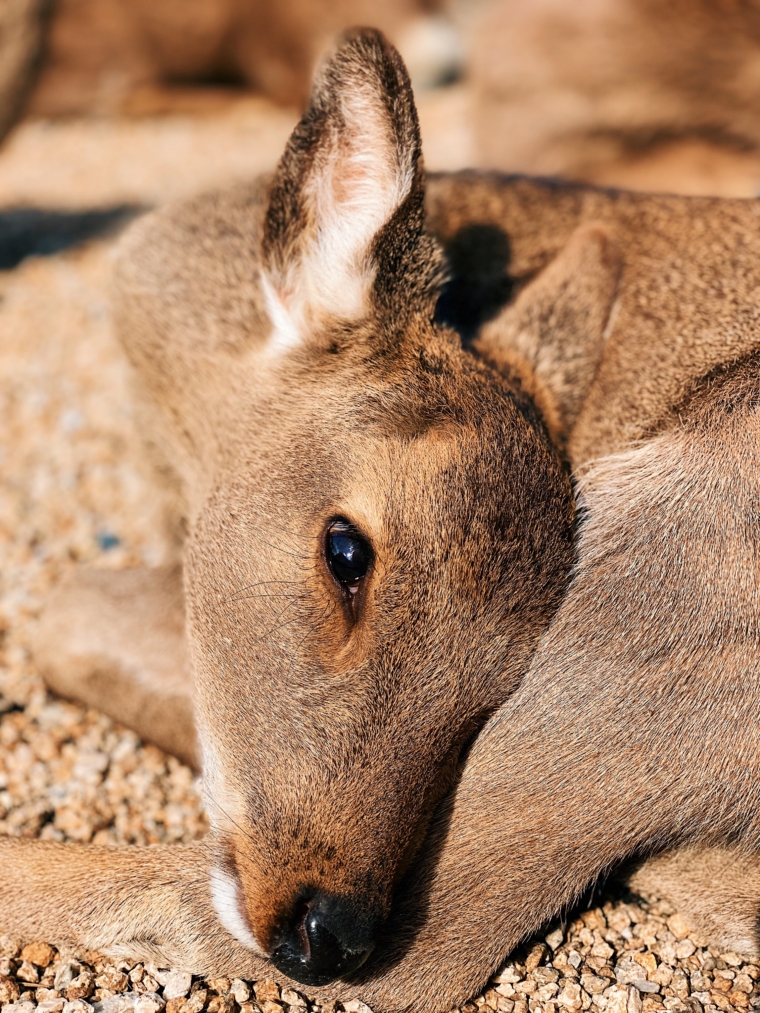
327, 937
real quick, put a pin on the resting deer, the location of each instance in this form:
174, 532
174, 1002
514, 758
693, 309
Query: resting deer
637, 93
116, 57
419, 738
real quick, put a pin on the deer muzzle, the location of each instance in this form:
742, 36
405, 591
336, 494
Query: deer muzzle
324, 937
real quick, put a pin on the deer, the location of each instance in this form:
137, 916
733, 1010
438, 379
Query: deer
111, 57
463, 614
630, 93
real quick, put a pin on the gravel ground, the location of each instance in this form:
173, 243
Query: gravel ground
620, 957
74, 490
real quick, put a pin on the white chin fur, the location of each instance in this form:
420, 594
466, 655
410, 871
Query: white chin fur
225, 894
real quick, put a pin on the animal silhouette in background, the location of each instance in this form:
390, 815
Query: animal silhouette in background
427, 720
110, 57
22, 29
651, 94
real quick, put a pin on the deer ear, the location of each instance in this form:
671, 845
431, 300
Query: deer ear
554, 332
348, 192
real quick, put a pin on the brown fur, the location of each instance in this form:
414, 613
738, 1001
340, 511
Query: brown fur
371, 412
22, 27
644, 687
109, 56
331, 727
139, 638
652, 94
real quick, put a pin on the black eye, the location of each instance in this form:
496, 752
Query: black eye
349, 556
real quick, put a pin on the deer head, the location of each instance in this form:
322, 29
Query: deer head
379, 527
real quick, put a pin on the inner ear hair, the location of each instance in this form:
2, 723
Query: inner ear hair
351, 167
554, 333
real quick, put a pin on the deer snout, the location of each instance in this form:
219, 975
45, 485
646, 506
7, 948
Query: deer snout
325, 937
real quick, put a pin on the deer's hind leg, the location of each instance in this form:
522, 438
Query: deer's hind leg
115, 640
716, 889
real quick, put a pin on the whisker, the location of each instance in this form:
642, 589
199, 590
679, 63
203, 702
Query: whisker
260, 583
274, 629
326, 613
296, 555
264, 583
227, 815
254, 597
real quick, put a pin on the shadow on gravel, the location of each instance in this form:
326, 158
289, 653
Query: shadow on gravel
32, 232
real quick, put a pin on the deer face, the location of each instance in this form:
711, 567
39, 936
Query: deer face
361, 601
377, 540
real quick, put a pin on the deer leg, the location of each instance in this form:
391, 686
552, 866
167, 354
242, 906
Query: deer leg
559, 788
115, 640
148, 903
631, 733
717, 890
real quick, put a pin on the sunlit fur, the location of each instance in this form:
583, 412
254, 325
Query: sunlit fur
476, 737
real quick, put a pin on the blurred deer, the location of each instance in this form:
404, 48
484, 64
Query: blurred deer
651, 94
107, 57
426, 721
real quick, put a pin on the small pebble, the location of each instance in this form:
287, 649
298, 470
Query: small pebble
646, 986
116, 1004
535, 957
241, 991
555, 938
177, 983
28, 972
149, 1002
292, 998
51, 1006
267, 989
40, 954
23, 1006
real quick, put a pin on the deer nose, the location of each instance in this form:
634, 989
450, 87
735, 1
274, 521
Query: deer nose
327, 937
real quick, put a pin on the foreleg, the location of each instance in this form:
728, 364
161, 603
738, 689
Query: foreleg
115, 640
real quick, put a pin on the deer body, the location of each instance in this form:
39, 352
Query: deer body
378, 560
647, 95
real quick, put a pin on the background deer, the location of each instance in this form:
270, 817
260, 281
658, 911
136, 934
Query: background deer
336, 445
104, 57
631, 93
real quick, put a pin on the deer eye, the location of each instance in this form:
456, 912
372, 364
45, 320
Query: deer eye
349, 555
